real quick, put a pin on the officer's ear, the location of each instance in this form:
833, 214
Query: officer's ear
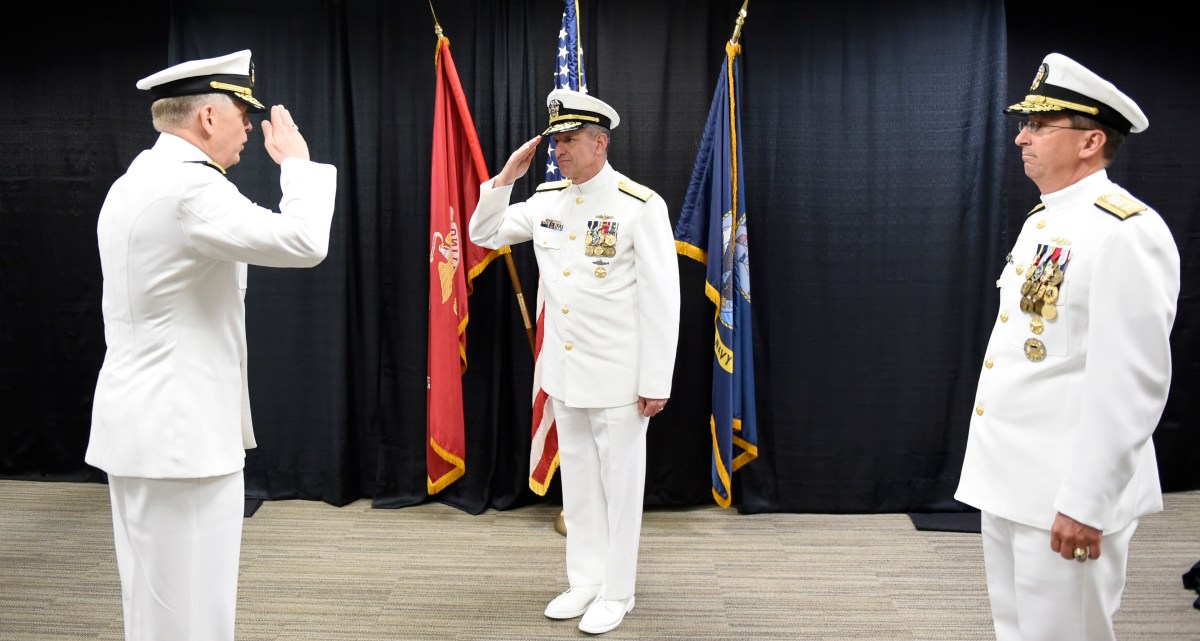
601, 142
1093, 143
206, 117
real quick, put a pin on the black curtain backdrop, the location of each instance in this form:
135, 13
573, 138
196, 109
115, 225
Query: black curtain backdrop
882, 184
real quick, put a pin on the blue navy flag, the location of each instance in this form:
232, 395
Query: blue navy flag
712, 224
568, 69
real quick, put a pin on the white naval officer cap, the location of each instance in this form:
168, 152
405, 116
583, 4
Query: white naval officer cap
1061, 84
571, 110
231, 74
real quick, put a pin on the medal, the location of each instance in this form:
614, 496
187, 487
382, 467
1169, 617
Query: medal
1051, 294
591, 233
1037, 325
1049, 311
1035, 350
601, 272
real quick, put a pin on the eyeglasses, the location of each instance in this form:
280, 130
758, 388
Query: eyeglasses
1034, 126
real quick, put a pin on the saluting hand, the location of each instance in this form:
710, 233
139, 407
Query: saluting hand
281, 136
518, 163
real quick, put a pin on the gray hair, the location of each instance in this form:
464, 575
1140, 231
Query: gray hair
596, 130
173, 113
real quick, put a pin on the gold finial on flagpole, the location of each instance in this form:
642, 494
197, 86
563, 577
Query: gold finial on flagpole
437, 28
737, 30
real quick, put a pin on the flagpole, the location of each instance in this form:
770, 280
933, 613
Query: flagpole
516, 281
741, 20
530, 332
437, 27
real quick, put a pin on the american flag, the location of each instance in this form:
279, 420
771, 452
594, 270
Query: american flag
568, 69
568, 74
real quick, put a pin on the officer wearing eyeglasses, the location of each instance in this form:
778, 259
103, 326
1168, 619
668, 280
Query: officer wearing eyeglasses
1059, 459
610, 279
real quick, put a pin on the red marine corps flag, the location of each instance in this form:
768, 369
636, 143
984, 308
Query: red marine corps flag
458, 169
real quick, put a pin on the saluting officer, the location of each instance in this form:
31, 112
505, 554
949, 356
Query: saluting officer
171, 416
1060, 459
606, 253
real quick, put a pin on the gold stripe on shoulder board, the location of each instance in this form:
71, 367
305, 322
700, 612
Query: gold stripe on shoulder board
556, 185
1040, 206
1120, 205
641, 192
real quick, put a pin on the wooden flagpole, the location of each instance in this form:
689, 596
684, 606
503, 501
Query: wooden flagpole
530, 331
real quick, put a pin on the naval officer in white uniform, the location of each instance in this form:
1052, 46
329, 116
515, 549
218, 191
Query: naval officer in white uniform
1060, 459
171, 414
606, 253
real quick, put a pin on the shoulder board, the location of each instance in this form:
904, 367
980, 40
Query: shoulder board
1040, 206
554, 186
641, 192
1120, 205
208, 163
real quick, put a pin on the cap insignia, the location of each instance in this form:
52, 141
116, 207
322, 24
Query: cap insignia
1041, 75
555, 105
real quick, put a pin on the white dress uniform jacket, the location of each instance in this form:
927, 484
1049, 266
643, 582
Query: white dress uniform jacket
611, 323
174, 237
1072, 433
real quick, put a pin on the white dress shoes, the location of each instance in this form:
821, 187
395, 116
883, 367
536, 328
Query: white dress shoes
573, 602
605, 614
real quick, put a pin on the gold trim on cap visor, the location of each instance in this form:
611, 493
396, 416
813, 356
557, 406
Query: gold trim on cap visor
1046, 103
562, 126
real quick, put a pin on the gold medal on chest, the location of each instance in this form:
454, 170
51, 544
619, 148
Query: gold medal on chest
1035, 350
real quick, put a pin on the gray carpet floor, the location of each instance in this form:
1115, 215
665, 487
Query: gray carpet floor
316, 572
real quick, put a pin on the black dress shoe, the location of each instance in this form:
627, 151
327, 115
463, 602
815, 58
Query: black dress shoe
1191, 578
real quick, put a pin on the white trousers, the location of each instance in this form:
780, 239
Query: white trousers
178, 543
1037, 595
602, 463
